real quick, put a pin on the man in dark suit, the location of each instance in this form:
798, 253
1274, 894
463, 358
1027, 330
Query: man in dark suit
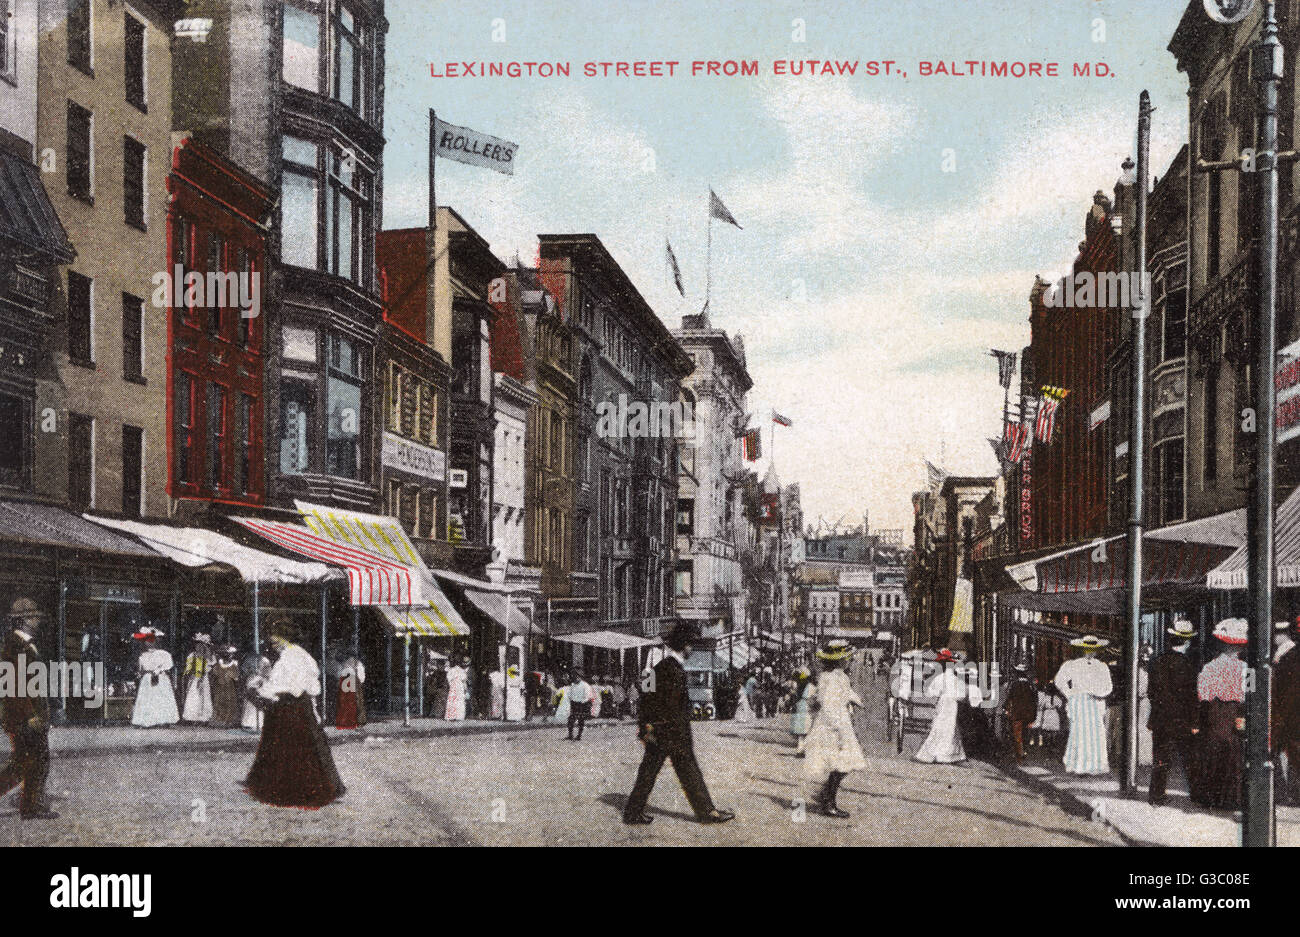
26, 719
1175, 711
664, 727
1021, 708
1286, 709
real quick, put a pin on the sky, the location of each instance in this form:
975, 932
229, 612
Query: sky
891, 226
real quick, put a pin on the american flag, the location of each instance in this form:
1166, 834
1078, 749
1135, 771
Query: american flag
1017, 441
1049, 402
783, 420
752, 445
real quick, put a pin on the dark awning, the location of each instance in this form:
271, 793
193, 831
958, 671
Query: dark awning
26, 215
47, 525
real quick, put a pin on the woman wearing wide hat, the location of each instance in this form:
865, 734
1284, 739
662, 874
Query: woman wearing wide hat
198, 681
293, 766
832, 750
800, 714
155, 699
1085, 682
943, 744
1221, 687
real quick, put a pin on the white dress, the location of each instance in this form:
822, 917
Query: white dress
832, 744
252, 716
744, 712
943, 744
514, 699
1086, 683
198, 689
457, 683
155, 700
1146, 752
496, 706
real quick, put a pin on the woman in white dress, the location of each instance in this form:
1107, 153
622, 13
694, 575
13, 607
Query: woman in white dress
257, 668
496, 702
514, 695
1145, 742
832, 748
457, 686
744, 712
562, 704
155, 699
951, 685
198, 681
1086, 683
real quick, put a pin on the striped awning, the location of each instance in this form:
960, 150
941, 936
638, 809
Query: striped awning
1233, 573
373, 533
372, 579
425, 621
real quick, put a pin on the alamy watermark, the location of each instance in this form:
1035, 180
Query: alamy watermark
211, 290
82, 680
1088, 290
640, 419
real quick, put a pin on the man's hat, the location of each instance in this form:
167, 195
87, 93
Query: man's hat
681, 636
1282, 627
838, 649
24, 608
1020, 668
201, 638
1231, 631
1182, 629
1090, 642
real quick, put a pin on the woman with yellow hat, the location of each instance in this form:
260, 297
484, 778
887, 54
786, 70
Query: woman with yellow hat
832, 750
1085, 682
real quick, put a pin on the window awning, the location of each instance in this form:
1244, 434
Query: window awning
196, 547
439, 620
47, 525
1233, 573
372, 579
26, 215
1177, 555
497, 602
374, 533
609, 640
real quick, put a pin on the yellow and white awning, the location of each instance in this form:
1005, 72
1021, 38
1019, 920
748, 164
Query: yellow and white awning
428, 621
373, 532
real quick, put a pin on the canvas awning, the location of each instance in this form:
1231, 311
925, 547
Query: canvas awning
372, 579
374, 533
609, 640
26, 214
496, 601
430, 621
1233, 573
50, 526
196, 547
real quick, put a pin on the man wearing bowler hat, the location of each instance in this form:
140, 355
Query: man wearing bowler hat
1175, 710
26, 719
664, 727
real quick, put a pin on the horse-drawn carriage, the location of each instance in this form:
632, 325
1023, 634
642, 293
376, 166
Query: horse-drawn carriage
910, 710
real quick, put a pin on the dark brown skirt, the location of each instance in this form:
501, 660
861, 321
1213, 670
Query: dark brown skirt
1220, 755
293, 766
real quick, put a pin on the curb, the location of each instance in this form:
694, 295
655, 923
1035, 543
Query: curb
1068, 801
249, 743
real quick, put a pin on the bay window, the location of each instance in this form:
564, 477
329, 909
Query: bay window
299, 187
302, 46
343, 445
351, 66
306, 383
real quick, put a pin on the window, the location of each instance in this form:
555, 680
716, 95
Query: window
133, 51
216, 264
79, 35
347, 221
132, 346
297, 419
300, 186
133, 169
351, 61
81, 462
1171, 481
185, 428
8, 39
1174, 337
80, 319
15, 427
244, 429
685, 516
684, 579
301, 48
1243, 396
80, 155
216, 437
428, 512
244, 264
343, 443
132, 470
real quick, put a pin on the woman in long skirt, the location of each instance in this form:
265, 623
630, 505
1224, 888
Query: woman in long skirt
198, 681
1221, 688
1085, 682
225, 689
832, 748
257, 667
744, 712
293, 766
943, 744
514, 695
562, 703
496, 695
800, 715
155, 699
457, 691
351, 708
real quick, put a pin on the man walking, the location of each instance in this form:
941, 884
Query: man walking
1175, 710
1021, 708
664, 727
26, 719
1286, 708
580, 694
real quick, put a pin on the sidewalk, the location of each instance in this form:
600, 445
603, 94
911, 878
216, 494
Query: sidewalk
1180, 822
82, 741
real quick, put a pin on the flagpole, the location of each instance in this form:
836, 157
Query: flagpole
708, 255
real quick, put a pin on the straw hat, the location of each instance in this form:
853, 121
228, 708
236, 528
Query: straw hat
23, 609
1090, 642
1231, 631
1182, 628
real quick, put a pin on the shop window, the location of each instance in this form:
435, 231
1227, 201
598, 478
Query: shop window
80, 152
133, 187
133, 49
301, 48
81, 462
132, 470
80, 318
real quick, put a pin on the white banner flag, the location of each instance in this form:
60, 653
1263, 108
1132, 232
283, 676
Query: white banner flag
477, 149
